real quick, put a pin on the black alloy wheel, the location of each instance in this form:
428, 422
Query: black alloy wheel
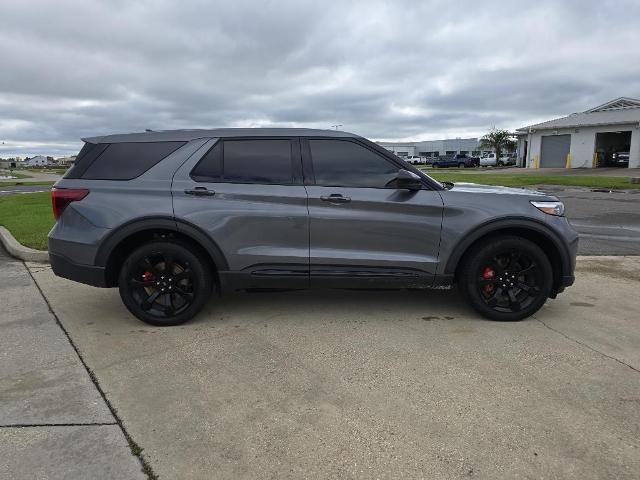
164, 283
506, 278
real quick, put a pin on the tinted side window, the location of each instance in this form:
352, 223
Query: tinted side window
84, 159
124, 161
247, 161
347, 164
209, 167
257, 161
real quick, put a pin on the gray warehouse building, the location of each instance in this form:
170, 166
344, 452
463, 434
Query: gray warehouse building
599, 137
434, 148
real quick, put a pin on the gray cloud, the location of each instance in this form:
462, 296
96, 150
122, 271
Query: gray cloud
385, 70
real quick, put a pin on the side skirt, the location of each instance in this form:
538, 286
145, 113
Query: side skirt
327, 278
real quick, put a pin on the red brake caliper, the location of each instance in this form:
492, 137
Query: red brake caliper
146, 276
488, 274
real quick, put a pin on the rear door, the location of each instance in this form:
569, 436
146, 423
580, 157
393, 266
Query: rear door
247, 195
360, 226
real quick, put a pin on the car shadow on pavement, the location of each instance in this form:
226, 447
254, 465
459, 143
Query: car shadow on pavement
337, 305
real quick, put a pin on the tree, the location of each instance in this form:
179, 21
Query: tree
498, 140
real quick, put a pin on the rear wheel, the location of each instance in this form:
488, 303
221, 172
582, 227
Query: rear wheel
165, 283
461, 165
506, 278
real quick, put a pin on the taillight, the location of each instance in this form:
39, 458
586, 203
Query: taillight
62, 197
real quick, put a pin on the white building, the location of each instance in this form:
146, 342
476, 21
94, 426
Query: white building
37, 161
584, 140
434, 148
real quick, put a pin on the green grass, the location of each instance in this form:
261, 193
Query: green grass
530, 179
28, 216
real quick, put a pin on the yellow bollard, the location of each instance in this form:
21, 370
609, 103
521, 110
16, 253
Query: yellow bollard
567, 164
535, 161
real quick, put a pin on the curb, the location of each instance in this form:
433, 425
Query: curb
17, 250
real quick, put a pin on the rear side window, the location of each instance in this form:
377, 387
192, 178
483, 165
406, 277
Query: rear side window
125, 161
209, 168
247, 161
347, 164
84, 159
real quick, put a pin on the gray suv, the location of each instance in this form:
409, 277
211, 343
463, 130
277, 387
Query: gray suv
169, 217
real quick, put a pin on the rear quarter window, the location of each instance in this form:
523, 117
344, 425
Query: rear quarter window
121, 161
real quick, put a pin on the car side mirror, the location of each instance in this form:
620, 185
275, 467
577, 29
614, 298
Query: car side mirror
407, 180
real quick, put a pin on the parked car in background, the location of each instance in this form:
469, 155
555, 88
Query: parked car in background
461, 160
173, 217
506, 160
620, 159
491, 160
415, 160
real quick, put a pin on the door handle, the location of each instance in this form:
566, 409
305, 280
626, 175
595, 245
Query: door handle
335, 198
200, 192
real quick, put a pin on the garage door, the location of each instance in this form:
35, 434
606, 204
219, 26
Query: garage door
555, 149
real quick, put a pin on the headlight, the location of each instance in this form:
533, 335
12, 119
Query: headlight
551, 208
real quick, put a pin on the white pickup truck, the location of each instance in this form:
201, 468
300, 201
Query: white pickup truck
491, 160
414, 160
488, 160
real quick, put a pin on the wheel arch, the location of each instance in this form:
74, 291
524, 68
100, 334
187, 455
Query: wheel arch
538, 232
129, 236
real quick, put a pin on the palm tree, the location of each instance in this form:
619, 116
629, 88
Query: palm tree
498, 140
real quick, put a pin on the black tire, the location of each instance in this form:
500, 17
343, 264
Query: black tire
165, 282
461, 165
506, 278
501, 164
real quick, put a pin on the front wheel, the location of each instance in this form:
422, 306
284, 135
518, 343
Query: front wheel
165, 283
506, 278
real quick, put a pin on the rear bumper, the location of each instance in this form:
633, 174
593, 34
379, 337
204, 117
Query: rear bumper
88, 274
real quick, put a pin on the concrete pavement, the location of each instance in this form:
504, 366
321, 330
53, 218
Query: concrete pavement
341, 384
54, 423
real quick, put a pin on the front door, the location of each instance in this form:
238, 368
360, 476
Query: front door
362, 227
247, 195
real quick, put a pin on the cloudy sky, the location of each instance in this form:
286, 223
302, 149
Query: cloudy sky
383, 69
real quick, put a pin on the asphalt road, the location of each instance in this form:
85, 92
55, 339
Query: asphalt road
600, 172
608, 223
10, 189
350, 385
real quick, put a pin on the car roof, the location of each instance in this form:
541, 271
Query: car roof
192, 134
